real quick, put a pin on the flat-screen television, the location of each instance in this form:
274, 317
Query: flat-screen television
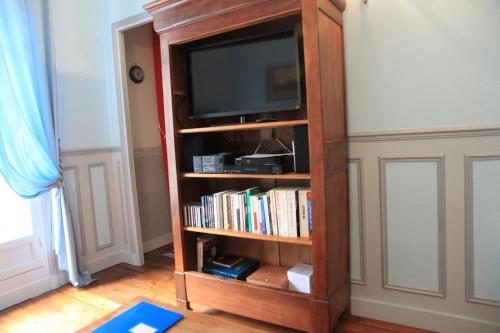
252, 75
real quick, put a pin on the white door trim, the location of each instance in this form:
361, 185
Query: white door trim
132, 221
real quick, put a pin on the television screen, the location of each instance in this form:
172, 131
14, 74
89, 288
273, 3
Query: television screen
247, 76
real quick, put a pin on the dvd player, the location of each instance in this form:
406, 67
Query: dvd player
259, 169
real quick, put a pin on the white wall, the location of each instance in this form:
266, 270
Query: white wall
422, 64
85, 69
409, 64
84, 119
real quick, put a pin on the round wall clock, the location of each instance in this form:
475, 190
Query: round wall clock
136, 74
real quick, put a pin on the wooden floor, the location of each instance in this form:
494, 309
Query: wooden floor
68, 309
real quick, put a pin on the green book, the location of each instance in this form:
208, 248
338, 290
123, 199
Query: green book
251, 191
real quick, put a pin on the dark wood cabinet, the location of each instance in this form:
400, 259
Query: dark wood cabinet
181, 22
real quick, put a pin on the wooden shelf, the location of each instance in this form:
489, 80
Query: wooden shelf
243, 127
289, 176
241, 234
230, 281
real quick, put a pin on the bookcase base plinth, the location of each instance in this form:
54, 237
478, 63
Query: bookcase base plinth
281, 307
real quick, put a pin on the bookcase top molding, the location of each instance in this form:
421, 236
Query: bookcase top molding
165, 4
171, 14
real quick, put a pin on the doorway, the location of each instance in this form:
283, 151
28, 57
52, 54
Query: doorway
141, 75
150, 173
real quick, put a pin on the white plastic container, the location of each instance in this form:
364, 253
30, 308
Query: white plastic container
300, 278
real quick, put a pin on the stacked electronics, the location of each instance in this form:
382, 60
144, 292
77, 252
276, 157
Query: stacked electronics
200, 156
274, 164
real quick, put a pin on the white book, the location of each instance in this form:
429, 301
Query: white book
303, 218
281, 211
242, 213
291, 201
226, 209
272, 207
234, 211
218, 209
197, 213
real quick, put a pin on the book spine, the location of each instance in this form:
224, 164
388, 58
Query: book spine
267, 216
309, 212
255, 211
263, 215
243, 212
303, 224
212, 215
191, 211
234, 207
224, 209
249, 211
194, 216
220, 212
216, 211
292, 213
238, 219
203, 212
259, 215
209, 212
198, 213
274, 217
282, 213
230, 210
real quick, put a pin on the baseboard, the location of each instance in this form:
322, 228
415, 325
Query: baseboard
421, 318
58, 280
99, 264
27, 291
157, 242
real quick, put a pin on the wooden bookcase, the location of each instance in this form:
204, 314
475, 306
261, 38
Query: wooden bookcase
183, 22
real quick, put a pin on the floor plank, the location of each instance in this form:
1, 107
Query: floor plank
68, 309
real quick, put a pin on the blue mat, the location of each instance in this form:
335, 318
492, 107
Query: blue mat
142, 318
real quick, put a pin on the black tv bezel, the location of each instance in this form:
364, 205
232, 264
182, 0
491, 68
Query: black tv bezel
245, 40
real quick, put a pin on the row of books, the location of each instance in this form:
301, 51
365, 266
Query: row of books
282, 211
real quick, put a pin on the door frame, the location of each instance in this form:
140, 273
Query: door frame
132, 222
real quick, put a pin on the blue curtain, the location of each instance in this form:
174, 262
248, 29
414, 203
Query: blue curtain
29, 158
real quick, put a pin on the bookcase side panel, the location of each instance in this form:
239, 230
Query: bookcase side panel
316, 147
171, 143
334, 125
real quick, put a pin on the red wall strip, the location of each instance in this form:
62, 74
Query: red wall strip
159, 99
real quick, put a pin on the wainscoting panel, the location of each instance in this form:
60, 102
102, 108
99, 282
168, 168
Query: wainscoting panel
411, 193
421, 218
483, 229
356, 232
100, 206
152, 197
72, 189
92, 182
